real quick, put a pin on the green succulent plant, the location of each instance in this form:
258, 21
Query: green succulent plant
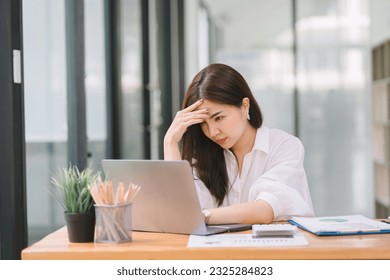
70, 187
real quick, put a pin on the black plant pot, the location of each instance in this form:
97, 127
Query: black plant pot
81, 227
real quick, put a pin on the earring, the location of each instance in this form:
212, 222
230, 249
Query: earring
248, 117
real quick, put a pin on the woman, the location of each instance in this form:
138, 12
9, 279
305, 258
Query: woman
244, 172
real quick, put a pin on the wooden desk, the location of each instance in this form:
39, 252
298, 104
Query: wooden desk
174, 246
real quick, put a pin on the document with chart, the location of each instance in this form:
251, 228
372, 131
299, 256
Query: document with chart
245, 240
340, 225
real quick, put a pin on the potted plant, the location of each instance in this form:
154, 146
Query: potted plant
70, 187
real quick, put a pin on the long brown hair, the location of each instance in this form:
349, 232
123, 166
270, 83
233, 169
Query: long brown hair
222, 84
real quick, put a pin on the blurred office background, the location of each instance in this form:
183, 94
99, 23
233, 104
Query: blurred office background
308, 63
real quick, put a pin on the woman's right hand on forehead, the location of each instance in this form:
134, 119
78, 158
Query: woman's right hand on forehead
183, 119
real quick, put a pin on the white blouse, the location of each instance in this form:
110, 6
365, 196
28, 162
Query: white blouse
273, 171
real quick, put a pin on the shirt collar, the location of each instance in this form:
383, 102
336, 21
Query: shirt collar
262, 140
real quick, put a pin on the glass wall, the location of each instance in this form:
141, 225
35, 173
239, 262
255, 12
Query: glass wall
334, 85
95, 82
154, 86
131, 106
45, 109
46, 102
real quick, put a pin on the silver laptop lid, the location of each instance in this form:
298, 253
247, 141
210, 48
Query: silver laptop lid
167, 201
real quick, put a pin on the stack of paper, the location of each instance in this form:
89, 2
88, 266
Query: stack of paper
244, 240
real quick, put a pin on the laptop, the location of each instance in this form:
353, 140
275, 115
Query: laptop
167, 201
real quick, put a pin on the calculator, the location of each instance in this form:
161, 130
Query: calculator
277, 230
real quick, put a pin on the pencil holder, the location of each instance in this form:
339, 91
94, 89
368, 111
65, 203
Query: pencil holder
113, 223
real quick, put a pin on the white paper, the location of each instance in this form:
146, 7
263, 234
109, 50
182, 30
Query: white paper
244, 240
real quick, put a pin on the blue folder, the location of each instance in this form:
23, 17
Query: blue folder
340, 225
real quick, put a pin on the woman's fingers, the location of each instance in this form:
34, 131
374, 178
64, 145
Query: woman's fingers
198, 114
192, 107
184, 119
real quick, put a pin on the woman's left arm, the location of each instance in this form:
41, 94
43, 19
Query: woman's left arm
255, 212
284, 184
